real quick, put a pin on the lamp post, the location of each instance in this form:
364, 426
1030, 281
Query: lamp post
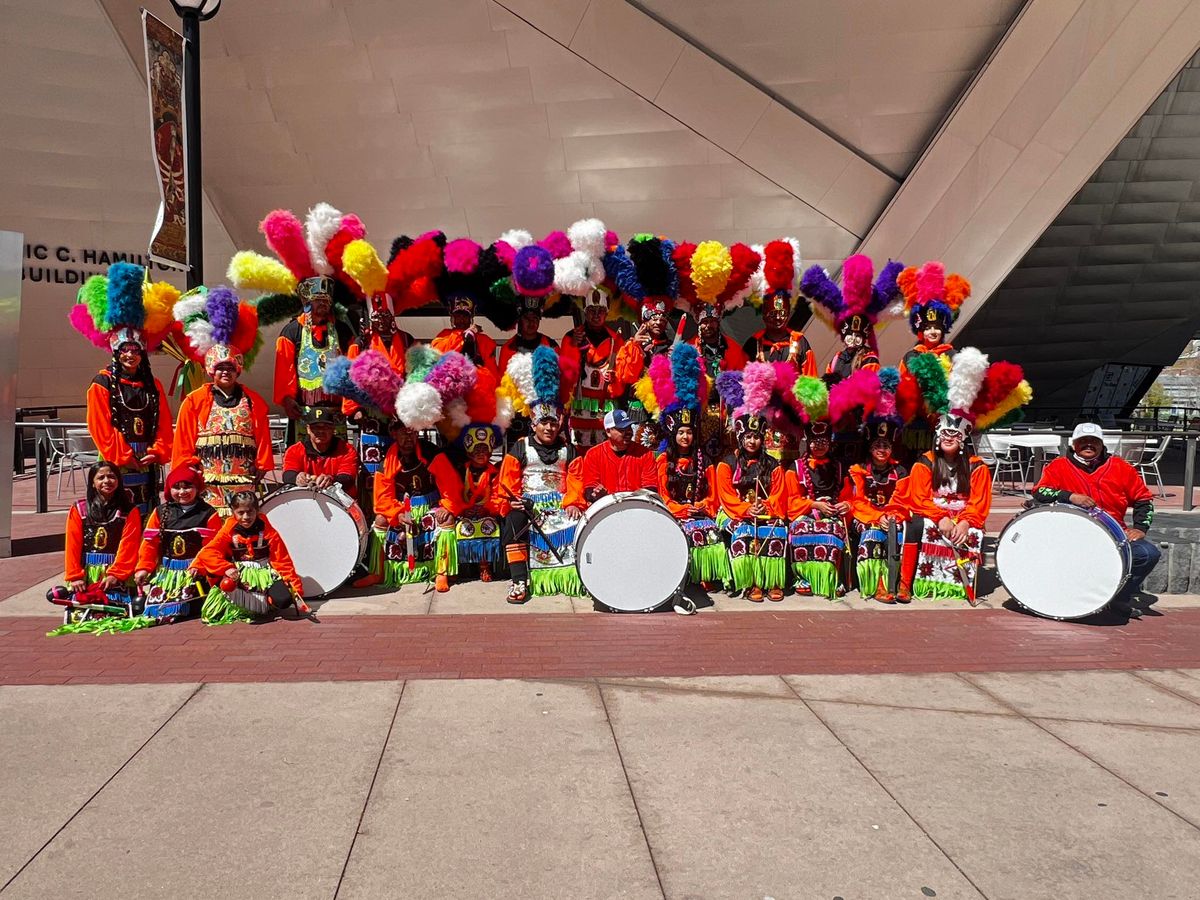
193, 12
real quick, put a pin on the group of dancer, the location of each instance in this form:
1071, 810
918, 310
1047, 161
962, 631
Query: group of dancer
473, 458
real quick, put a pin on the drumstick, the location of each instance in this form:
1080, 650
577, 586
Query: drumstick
533, 516
961, 563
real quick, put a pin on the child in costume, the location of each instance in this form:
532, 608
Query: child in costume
223, 423
948, 492
127, 413
175, 534
817, 510
247, 553
541, 484
102, 535
687, 478
477, 531
876, 520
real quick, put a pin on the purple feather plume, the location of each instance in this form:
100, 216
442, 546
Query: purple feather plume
372, 373
729, 387
819, 287
452, 376
222, 310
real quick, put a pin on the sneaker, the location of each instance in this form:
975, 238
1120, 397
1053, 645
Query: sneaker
804, 589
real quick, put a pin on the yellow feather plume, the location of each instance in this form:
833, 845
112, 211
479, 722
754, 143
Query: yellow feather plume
158, 297
363, 264
645, 392
508, 388
253, 271
711, 267
1018, 396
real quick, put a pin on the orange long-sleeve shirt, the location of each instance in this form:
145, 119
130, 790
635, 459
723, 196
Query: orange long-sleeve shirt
799, 502
452, 339
194, 412
631, 359
760, 348
110, 442
915, 493
449, 486
597, 355
150, 553
482, 489
219, 554
127, 546
708, 502
339, 462
512, 477
863, 506
632, 470
736, 506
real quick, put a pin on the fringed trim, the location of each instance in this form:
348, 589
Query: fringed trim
446, 552
170, 579
108, 625
218, 609
821, 576
938, 590
560, 540
710, 563
557, 580
770, 572
872, 577
256, 577
397, 573
476, 550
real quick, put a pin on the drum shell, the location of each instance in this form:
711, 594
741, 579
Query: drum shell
637, 567
1081, 578
308, 537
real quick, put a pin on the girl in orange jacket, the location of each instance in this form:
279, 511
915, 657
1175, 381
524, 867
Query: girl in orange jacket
874, 512
102, 535
248, 551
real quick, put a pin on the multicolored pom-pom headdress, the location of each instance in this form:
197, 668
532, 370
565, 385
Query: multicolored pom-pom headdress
773, 286
645, 273
673, 390
858, 304
124, 307
531, 386
966, 394
309, 263
715, 279
218, 327
931, 297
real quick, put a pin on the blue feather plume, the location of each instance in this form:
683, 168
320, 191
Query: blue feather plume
889, 379
125, 295
620, 268
685, 373
337, 381
668, 251
546, 374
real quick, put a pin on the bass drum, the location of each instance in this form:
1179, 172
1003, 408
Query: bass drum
325, 533
1063, 562
631, 553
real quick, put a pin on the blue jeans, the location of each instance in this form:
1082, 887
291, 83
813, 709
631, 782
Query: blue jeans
1145, 558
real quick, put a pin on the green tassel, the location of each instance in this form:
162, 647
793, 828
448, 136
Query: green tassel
770, 572
822, 576
218, 610
871, 574
938, 590
557, 580
447, 548
709, 563
743, 571
107, 625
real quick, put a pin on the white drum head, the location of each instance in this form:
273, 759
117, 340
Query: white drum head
321, 535
631, 553
1060, 562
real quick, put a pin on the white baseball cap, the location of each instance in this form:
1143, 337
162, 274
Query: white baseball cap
1087, 429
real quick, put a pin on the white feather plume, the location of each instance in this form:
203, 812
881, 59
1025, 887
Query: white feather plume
966, 377
577, 273
199, 332
797, 261
520, 370
185, 309
758, 281
419, 405
321, 224
504, 412
587, 236
517, 238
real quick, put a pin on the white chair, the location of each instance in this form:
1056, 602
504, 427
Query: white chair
67, 458
1149, 466
1132, 450
1007, 466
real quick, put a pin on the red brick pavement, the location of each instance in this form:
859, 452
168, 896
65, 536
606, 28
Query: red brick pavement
350, 648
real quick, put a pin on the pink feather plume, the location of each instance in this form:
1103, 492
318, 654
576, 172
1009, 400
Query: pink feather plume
931, 281
462, 256
557, 243
887, 405
785, 377
452, 376
758, 380
660, 380
285, 235
856, 282
373, 374
82, 320
505, 252
861, 389
610, 239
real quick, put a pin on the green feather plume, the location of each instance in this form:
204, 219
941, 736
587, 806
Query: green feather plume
275, 308
813, 395
419, 360
931, 378
94, 295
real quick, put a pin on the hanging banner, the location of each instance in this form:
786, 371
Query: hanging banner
164, 78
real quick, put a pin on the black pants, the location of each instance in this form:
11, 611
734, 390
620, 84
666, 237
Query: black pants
514, 535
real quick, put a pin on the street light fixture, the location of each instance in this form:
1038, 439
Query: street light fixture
193, 12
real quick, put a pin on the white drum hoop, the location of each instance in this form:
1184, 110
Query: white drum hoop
637, 566
1043, 575
326, 535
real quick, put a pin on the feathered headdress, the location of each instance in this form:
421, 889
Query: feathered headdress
885, 420
645, 273
967, 393
438, 392
368, 380
774, 282
532, 386
579, 273
931, 297
218, 327
676, 387
309, 262
124, 307
858, 304
717, 279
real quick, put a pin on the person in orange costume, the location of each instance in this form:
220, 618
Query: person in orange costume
302, 348
874, 512
102, 534
777, 341
593, 347
477, 531
752, 492
224, 425
417, 496
249, 551
618, 464
948, 496
817, 509
464, 336
128, 418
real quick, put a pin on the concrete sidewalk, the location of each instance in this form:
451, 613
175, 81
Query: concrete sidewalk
1068, 785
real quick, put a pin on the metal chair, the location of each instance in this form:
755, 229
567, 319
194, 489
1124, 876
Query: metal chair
1149, 466
67, 458
1132, 450
1007, 466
